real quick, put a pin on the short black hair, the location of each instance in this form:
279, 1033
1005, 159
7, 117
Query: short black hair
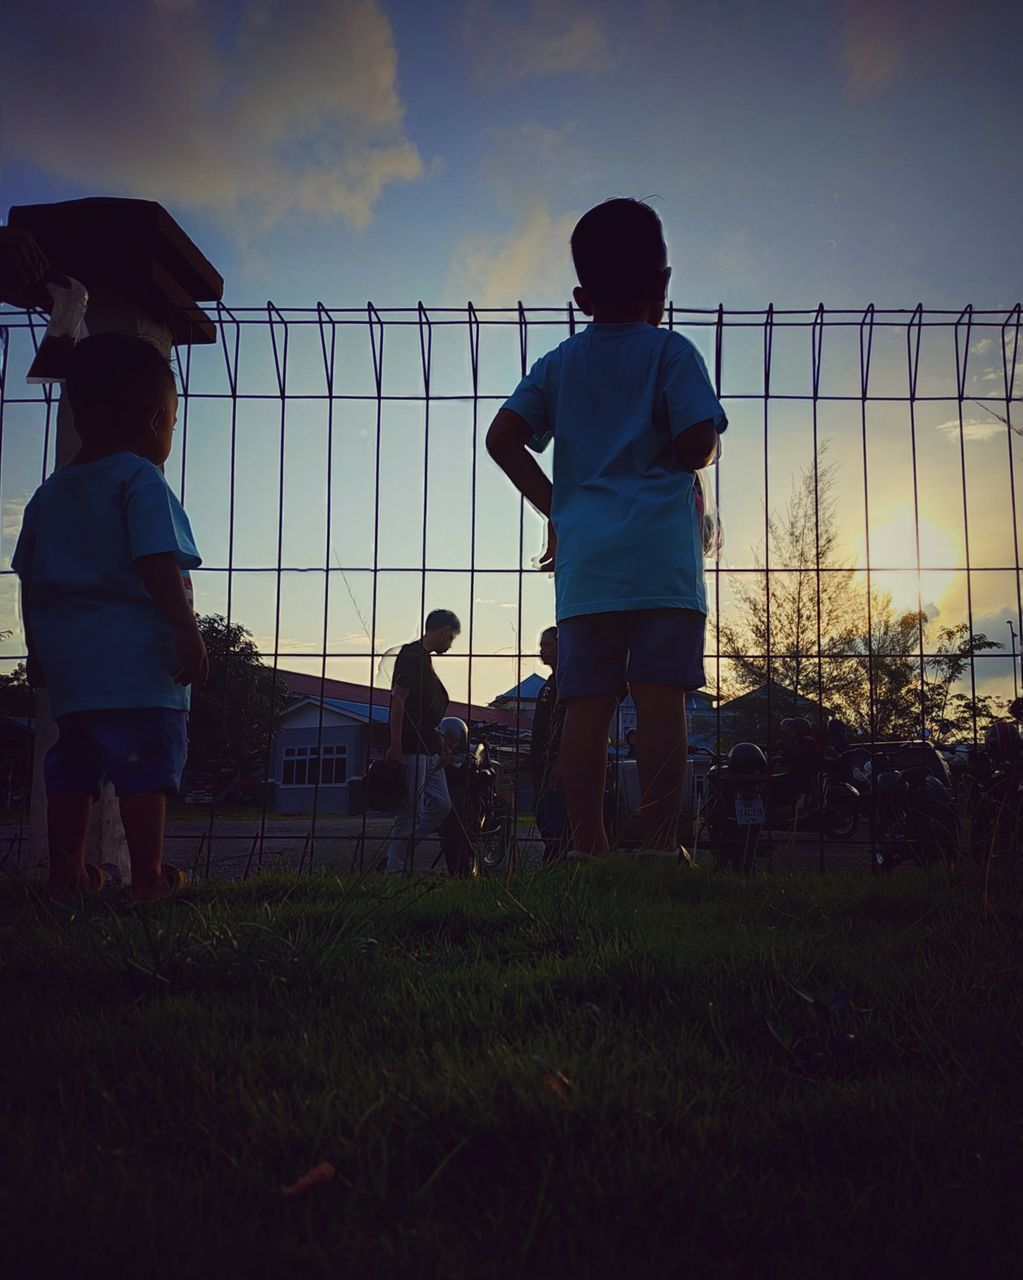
619, 251
549, 631
113, 382
443, 618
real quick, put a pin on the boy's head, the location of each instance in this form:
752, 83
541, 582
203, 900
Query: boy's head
122, 395
621, 260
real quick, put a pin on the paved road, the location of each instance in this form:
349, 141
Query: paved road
240, 846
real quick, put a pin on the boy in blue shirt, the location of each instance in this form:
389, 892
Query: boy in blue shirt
632, 414
108, 622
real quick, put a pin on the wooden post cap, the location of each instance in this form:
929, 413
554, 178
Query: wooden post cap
133, 248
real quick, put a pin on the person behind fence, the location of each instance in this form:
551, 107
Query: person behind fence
459, 831
418, 703
632, 414
109, 625
545, 743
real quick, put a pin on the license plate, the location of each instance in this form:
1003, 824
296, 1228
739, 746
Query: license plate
749, 813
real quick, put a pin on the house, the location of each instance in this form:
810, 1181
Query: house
521, 700
745, 718
331, 730
701, 718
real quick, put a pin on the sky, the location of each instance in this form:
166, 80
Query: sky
796, 151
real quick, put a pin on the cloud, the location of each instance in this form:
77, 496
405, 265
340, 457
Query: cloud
551, 37
872, 44
250, 111
976, 429
11, 515
1012, 343
881, 39
531, 260
530, 256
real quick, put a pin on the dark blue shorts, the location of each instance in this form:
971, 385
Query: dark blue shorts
601, 653
138, 749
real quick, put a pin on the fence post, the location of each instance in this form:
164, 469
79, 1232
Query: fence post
144, 276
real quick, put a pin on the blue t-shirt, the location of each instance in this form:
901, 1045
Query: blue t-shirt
101, 641
614, 398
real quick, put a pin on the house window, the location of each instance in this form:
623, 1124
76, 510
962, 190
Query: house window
302, 766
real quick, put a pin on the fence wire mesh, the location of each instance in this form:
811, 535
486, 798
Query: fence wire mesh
333, 466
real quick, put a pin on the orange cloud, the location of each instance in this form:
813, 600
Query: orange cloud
873, 44
250, 111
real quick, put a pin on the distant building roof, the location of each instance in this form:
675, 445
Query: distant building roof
379, 712
304, 685
527, 691
781, 698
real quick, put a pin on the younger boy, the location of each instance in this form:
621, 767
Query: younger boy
632, 415
108, 623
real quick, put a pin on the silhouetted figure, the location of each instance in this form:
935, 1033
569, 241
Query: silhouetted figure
634, 416
548, 722
109, 626
418, 701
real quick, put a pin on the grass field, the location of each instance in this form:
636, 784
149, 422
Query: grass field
629, 1073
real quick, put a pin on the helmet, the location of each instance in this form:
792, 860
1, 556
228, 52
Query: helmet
746, 757
1003, 741
455, 733
386, 786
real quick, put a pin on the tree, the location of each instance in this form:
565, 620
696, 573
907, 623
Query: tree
869, 677
16, 701
910, 695
15, 693
236, 714
803, 538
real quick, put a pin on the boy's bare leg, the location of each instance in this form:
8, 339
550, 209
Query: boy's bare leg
67, 824
661, 753
582, 762
144, 817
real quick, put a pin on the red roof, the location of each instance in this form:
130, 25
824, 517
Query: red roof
310, 686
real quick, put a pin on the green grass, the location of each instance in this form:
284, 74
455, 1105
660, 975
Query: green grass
605, 1077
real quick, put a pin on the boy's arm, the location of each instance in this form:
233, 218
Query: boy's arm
697, 446
506, 444
162, 579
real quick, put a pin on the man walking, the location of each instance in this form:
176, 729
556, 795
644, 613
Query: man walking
418, 703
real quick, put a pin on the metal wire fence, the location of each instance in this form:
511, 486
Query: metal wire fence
332, 463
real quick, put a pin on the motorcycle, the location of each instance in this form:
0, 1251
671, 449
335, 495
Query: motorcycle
830, 803
995, 811
914, 816
735, 811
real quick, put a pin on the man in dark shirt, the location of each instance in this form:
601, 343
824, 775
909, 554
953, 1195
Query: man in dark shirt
548, 721
418, 703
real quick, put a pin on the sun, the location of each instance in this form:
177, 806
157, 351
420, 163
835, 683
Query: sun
893, 545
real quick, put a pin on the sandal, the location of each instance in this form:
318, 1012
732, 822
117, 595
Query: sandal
95, 881
170, 880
